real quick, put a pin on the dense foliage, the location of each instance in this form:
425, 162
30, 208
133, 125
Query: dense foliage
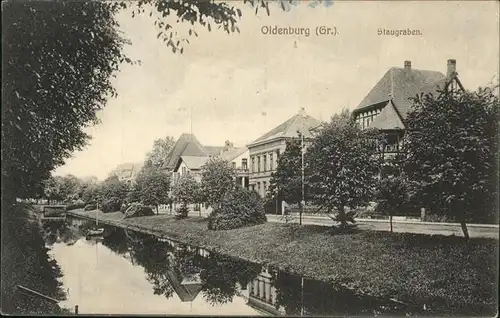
453, 169
151, 187
157, 157
112, 194
240, 207
217, 178
286, 181
186, 191
59, 60
341, 166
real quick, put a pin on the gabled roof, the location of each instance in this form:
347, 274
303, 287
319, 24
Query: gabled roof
214, 150
388, 118
186, 292
401, 84
234, 153
193, 163
300, 122
186, 145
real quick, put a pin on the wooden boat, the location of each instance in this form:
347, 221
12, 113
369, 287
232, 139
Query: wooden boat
95, 232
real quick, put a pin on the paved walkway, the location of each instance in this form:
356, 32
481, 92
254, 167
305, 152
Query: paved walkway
408, 226
432, 228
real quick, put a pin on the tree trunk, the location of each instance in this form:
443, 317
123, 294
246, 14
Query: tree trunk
342, 218
464, 229
390, 221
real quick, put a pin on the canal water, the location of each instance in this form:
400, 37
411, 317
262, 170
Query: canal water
126, 272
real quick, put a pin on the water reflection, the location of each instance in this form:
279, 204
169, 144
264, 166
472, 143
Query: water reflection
208, 282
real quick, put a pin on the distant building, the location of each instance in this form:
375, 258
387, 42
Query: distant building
188, 157
238, 158
388, 103
265, 151
127, 172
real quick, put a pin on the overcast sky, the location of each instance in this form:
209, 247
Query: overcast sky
242, 85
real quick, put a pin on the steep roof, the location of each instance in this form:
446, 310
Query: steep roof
234, 153
388, 118
186, 292
186, 145
194, 163
300, 122
401, 84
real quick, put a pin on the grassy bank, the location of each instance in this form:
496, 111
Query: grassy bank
447, 274
25, 262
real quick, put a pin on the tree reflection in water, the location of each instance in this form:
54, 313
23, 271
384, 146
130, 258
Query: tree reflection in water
175, 267
220, 275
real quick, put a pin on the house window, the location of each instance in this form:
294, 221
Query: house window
183, 170
258, 187
264, 185
244, 163
234, 165
271, 161
253, 164
258, 163
265, 162
277, 155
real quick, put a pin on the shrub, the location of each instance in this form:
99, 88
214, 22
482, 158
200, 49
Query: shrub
437, 218
239, 208
137, 209
111, 205
124, 207
90, 207
182, 212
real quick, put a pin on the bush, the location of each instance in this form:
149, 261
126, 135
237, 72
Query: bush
90, 207
137, 209
437, 218
239, 208
111, 205
124, 207
182, 212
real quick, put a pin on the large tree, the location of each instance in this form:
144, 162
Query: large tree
217, 178
158, 156
286, 181
186, 191
59, 58
341, 167
451, 145
153, 187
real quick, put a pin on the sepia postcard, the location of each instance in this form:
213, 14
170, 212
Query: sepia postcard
250, 157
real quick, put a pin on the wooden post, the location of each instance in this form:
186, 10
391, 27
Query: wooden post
76, 309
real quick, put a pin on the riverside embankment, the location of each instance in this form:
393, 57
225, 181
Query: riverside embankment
446, 274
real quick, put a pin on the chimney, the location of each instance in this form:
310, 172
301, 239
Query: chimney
302, 112
451, 68
407, 66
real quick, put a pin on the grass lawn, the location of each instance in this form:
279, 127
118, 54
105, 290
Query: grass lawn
447, 274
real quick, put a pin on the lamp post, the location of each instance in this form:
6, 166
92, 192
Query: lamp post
303, 202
